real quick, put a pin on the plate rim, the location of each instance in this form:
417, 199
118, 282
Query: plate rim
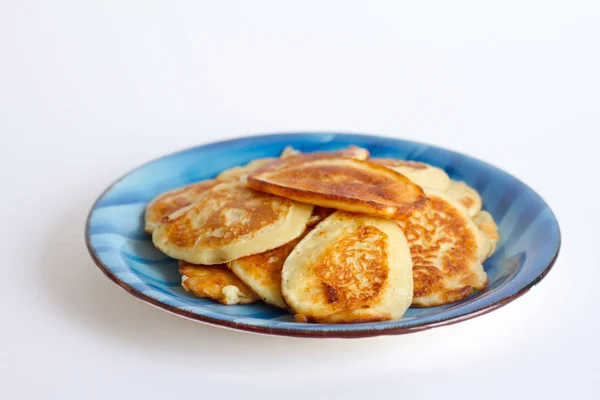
291, 332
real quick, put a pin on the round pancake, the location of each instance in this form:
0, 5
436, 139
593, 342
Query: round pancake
340, 183
240, 173
230, 221
485, 223
447, 249
350, 268
465, 195
216, 282
424, 175
167, 203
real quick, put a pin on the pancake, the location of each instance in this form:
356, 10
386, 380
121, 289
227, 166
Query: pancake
216, 282
167, 203
424, 175
485, 223
447, 249
262, 272
240, 173
350, 268
465, 195
230, 221
340, 183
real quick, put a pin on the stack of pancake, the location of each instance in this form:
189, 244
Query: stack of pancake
332, 237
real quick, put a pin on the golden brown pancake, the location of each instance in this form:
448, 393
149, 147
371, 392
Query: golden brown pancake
424, 175
167, 203
262, 272
485, 223
465, 195
340, 183
447, 249
350, 268
228, 222
216, 282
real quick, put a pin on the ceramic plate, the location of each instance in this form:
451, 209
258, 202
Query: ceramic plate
529, 245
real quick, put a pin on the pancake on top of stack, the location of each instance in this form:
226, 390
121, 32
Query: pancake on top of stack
334, 237
341, 183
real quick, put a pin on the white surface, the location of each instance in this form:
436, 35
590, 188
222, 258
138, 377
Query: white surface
89, 91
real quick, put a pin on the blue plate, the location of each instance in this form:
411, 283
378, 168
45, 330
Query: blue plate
529, 234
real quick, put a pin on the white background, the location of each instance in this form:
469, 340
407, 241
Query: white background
89, 90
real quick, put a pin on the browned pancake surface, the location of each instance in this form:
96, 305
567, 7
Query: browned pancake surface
344, 184
350, 268
235, 211
167, 203
228, 222
353, 269
445, 248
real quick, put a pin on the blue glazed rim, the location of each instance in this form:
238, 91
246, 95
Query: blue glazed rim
459, 312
